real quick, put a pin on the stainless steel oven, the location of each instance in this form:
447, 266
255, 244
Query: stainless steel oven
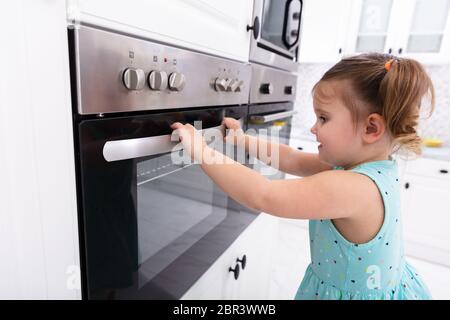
276, 33
149, 226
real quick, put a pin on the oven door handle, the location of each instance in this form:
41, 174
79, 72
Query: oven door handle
141, 147
271, 117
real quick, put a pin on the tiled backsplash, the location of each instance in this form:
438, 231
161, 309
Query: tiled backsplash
437, 126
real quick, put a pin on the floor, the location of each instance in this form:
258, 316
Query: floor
436, 277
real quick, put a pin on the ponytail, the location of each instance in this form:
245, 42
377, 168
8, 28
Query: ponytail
401, 92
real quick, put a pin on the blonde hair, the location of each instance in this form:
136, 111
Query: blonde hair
390, 86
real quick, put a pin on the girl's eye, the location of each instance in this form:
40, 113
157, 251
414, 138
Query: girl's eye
322, 119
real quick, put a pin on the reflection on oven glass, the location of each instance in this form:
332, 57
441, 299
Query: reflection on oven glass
177, 206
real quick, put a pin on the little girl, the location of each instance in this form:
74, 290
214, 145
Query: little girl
367, 108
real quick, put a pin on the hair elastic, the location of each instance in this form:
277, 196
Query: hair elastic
388, 64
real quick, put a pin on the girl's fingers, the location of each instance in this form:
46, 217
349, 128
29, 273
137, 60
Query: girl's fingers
228, 122
176, 125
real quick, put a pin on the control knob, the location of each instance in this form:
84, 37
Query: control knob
221, 84
266, 88
176, 81
235, 85
133, 79
157, 80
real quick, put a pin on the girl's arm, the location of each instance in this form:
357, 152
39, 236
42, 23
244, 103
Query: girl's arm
327, 195
289, 160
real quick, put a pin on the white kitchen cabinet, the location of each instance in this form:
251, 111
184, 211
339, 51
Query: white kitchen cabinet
371, 26
418, 29
324, 29
426, 210
38, 209
253, 281
214, 26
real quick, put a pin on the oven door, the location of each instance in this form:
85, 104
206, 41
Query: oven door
151, 225
276, 32
271, 122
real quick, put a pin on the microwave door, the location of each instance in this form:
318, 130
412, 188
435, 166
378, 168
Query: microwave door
280, 26
291, 26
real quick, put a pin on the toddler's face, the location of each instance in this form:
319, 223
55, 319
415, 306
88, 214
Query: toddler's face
334, 128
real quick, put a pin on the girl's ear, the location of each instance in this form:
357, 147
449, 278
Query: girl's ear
375, 127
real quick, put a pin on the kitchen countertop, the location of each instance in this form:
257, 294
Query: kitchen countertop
441, 153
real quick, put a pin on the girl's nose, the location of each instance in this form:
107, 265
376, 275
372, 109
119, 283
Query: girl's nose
313, 129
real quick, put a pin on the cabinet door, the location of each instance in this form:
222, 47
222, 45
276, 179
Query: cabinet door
214, 26
252, 282
254, 279
425, 36
371, 27
426, 217
323, 31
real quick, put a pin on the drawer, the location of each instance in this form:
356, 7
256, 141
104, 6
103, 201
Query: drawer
430, 168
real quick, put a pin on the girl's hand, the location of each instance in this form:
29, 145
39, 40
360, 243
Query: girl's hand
191, 138
235, 134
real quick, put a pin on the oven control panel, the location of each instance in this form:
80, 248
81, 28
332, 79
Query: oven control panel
272, 85
120, 73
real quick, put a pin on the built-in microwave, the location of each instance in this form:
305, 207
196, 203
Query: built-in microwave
276, 33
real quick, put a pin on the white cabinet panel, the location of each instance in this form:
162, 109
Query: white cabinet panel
407, 28
253, 281
418, 29
373, 31
429, 168
38, 214
426, 212
428, 32
216, 27
324, 29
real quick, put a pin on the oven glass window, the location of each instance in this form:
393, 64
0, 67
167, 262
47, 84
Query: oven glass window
278, 131
177, 205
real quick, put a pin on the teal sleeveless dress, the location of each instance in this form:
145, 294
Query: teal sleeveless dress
377, 269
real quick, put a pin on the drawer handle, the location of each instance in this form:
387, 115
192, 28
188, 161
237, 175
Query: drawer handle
300, 148
407, 185
444, 171
235, 271
243, 261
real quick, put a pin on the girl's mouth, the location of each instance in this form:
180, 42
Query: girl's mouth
320, 146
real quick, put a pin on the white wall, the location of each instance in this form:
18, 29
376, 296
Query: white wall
38, 220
